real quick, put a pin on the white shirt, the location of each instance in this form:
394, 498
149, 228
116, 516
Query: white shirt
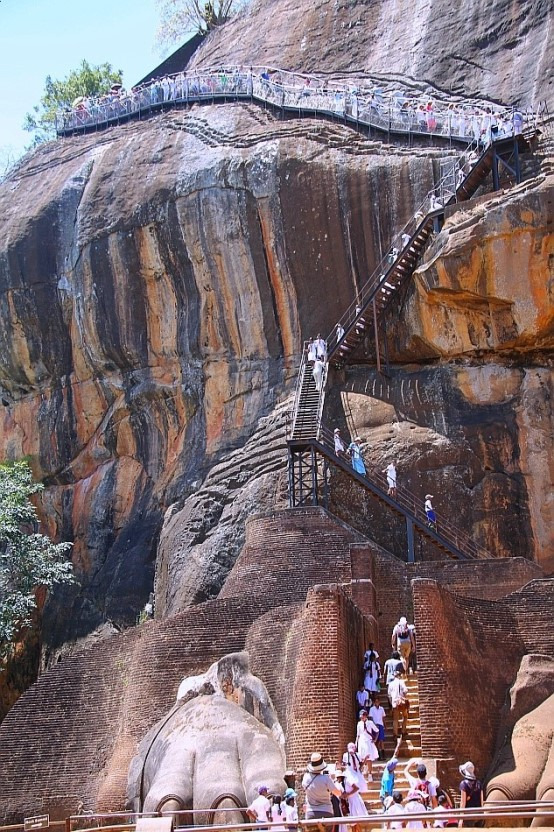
428, 505
291, 814
395, 809
261, 808
377, 714
391, 472
414, 807
398, 692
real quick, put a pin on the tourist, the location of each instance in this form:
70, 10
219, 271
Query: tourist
421, 784
387, 779
367, 735
260, 809
362, 698
317, 373
377, 715
394, 807
390, 471
370, 655
402, 641
471, 792
277, 813
356, 456
398, 696
441, 792
354, 782
339, 334
321, 348
291, 809
430, 513
414, 806
440, 809
372, 673
318, 788
340, 447
312, 351
405, 239
391, 666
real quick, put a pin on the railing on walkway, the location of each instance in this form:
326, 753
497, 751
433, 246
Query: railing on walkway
364, 105
502, 811
411, 503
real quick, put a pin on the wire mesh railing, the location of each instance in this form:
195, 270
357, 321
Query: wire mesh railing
365, 103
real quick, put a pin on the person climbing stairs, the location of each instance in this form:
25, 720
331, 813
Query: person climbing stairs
410, 746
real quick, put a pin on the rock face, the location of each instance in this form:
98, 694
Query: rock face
503, 50
183, 260
177, 302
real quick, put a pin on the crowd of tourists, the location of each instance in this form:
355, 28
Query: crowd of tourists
368, 102
336, 790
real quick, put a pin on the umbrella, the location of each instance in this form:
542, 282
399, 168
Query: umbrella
78, 101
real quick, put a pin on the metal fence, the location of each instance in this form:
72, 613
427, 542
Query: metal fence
365, 103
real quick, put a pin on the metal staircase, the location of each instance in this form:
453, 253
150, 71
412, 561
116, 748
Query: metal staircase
309, 401
311, 446
364, 315
309, 462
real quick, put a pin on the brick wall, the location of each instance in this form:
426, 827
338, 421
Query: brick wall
470, 650
332, 635
73, 733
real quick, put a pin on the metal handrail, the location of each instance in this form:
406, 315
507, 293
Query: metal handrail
411, 503
489, 811
421, 217
371, 106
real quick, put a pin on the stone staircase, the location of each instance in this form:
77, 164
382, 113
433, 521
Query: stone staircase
410, 748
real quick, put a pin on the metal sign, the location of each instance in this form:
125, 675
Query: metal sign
36, 822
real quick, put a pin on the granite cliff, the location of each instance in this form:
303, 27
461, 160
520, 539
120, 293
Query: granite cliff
157, 281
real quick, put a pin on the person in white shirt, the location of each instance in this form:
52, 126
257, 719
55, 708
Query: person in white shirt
377, 714
414, 806
340, 447
362, 698
398, 695
277, 813
260, 809
421, 784
393, 806
390, 471
291, 810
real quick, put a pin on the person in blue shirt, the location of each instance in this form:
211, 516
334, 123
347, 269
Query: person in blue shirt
387, 780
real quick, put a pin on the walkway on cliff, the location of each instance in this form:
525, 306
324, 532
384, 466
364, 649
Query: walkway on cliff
368, 108
310, 444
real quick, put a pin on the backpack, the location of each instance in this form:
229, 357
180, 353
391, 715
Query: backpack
423, 788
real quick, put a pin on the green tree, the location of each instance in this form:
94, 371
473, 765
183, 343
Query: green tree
28, 560
87, 80
181, 17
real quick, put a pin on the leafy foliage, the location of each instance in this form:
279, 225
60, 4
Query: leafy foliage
181, 17
28, 560
87, 81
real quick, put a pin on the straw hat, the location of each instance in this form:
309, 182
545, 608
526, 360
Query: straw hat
317, 763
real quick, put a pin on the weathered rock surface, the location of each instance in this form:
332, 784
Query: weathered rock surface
504, 50
181, 262
475, 437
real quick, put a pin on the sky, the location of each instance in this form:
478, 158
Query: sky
52, 37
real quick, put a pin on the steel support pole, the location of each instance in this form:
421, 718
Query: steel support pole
495, 176
291, 479
313, 459
517, 162
376, 330
410, 536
